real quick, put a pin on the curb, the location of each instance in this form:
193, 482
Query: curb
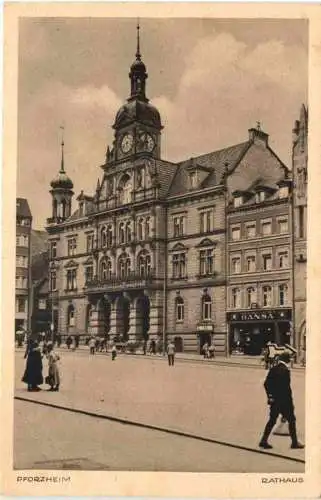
160, 429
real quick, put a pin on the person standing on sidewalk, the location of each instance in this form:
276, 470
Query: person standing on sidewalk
278, 389
113, 352
53, 368
171, 353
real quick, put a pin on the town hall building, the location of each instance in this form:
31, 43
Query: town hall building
165, 250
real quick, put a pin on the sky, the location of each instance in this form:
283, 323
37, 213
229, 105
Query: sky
211, 80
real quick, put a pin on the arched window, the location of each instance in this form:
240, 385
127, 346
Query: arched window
147, 228
123, 266
267, 296
206, 308
105, 269
109, 235
144, 264
71, 315
140, 229
250, 296
103, 237
125, 190
283, 295
121, 233
179, 309
128, 232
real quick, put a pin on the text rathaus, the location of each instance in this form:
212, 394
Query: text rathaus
204, 250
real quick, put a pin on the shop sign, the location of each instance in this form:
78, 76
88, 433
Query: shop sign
205, 328
262, 315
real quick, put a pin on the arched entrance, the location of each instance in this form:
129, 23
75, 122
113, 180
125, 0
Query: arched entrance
122, 318
142, 317
104, 309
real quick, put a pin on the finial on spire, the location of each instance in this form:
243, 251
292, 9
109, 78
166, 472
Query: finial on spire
258, 125
62, 169
138, 54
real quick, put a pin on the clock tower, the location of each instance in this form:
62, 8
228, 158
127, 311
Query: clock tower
137, 124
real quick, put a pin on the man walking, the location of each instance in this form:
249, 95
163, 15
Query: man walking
278, 389
171, 353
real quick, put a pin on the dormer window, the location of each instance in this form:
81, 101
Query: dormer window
283, 191
260, 196
193, 177
238, 201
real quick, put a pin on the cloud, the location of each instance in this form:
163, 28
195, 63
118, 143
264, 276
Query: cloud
226, 88
223, 88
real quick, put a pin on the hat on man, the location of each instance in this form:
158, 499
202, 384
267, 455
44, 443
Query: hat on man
285, 357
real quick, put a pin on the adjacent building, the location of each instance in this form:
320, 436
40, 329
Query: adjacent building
299, 229
22, 284
173, 249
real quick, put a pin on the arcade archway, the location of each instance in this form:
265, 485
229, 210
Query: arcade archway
122, 318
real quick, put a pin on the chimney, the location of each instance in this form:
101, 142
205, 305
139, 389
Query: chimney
257, 136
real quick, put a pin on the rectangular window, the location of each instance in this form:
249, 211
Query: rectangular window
89, 273
236, 233
267, 296
266, 228
236, 265
179, 265
250, 264
267, 262
72, 245
53, 280
283, 226
283, 258
18, 284
238, 201
250, 296
18, 241
206, 221
90, 242
71, 279
180, 310
283, 295
236, 298
179, 226
250, 231
301, 222
53, 250
206, 262
21, 305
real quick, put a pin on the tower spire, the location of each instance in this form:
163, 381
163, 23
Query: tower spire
138, 54
62, 168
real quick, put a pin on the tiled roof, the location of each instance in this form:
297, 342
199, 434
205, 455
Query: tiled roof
215, 161
165, 173
22, 207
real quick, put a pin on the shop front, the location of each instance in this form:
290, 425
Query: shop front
249, 331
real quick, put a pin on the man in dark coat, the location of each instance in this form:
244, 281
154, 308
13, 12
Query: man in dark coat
33, 372
278, 389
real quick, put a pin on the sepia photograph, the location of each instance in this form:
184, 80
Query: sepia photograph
161, 252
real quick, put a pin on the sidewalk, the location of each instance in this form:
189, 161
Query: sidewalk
233, 360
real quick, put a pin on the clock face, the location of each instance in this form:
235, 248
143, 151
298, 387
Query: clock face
127, 143
146, 141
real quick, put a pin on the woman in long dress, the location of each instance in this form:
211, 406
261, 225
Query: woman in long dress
33, 371
53, 373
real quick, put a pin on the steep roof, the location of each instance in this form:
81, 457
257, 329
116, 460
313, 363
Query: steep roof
22, 208
165, 174
39, 241
214, 161
39, 266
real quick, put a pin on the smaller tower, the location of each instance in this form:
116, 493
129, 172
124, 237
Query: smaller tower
61, 192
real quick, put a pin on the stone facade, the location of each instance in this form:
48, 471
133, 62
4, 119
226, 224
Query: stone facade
300, 179
146, 257
23, 232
